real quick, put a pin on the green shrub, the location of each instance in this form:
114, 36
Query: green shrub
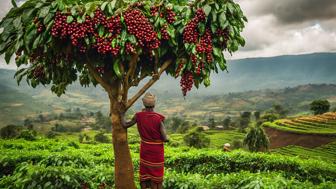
320, 106
236, 144
10, 131
28, 176
256, 139
101, 137
28, 135
51, 134
196, 139
73, 144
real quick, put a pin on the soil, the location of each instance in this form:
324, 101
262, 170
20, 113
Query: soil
282, 138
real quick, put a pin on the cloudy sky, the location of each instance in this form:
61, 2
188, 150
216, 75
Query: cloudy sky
278, 27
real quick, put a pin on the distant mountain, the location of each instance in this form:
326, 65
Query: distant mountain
263, 73
244, 75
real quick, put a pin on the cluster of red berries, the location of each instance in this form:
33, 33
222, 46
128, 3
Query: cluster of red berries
113, 24
38, 72
100, 69
164, 33
186, 82
103, 46
78, 31
154, 10
38, 25
170, 16
205, 45
199, 68
179, 69
193, 59
190, 33
138, 25
225, 33
129, 48
60, 27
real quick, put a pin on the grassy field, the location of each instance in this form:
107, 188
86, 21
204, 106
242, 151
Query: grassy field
219, 137
321, 124
64, 163
326, 152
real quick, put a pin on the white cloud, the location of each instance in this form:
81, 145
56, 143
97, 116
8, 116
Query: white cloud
270, 32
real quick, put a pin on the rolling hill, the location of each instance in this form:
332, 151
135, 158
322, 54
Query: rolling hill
251, 84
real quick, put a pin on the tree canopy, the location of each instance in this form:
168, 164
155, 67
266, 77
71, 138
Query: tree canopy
320, 106
61, 41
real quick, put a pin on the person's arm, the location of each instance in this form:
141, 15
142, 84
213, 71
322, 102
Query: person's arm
163, 132
127, 124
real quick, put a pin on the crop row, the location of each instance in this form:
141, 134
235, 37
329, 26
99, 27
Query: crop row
203, 162
325, 153
300, 130
30, 176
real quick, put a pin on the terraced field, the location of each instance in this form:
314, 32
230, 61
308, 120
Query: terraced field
326, 152
59, 163
321, 124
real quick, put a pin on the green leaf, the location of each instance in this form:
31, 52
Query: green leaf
17, 23
8, 56
116, 68
223, 23
100, 31
132, 39
48, 18
30, 35
113, 3
44, 11
114, 43
214, 16
207, 9
102, 7
70, 19
171, 31
74, 11
222, 63
207, 82
36, 42
201, 28
14, 3
213, 28
230, 8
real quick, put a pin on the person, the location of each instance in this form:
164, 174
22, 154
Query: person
226, 147
153, 134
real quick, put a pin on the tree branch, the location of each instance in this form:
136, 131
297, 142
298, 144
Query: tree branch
156, 63
132, 66
126, 82
97, 77
155, 77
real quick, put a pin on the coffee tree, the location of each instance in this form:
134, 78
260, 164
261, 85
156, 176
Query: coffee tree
117, 44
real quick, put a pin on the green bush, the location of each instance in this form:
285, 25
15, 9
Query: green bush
10, 131
196, 139
28, 135
243, 179
51, 134
256, 139
73, 144
29, 176
320, 106
215, 162
236, 144
101, 137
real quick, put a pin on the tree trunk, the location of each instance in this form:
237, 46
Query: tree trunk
123, 166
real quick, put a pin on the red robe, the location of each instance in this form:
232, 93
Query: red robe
151, 147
